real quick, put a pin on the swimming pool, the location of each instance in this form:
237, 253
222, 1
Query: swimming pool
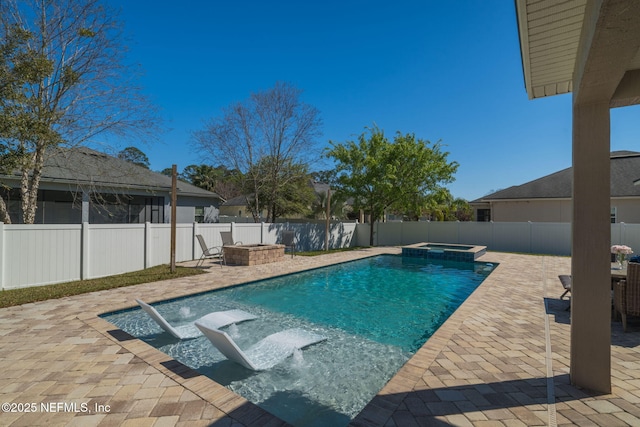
375, 313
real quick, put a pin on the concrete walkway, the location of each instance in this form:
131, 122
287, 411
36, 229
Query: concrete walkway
501, 359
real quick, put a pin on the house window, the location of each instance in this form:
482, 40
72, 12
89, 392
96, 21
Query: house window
199, 217
483, 215
614, 215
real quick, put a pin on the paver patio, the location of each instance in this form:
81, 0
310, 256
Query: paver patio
501, 359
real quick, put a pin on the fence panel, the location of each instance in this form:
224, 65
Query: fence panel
40, 254
211, 235
550, 238
444, 232
511, 236
341, 234
415, 232
363, 231
159, 250
115, 249
628, 234
476, 233
388, 233
248, 234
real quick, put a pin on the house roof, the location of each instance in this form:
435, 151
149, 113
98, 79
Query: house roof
625, 170
85, 167
236, 201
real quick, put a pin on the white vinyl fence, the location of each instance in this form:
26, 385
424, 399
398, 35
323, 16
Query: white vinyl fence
37, 254
44, 254
528, 237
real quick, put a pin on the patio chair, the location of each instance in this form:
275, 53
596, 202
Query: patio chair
267, 352
626, 294
565, 279
227, 239
208, 253
288, 240
217, 319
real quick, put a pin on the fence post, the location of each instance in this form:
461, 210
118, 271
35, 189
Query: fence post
233, 231
194, 233
262, 232
2, 269
84, 251
147, 245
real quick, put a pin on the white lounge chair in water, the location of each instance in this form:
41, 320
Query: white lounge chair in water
267, 352
216, 320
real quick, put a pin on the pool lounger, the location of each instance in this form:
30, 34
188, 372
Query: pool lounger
267, 352
217, 319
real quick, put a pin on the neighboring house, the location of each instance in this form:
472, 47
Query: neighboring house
83, 185
548, 199
237, 208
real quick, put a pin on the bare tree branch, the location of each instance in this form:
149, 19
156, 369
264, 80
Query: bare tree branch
83, 88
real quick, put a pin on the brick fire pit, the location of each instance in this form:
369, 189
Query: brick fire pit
253, 254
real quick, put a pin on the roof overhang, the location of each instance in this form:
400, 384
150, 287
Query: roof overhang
592, 42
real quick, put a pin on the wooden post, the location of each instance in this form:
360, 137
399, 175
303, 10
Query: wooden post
326, 234
174, 200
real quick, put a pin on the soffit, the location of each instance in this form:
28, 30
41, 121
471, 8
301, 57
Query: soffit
550, 37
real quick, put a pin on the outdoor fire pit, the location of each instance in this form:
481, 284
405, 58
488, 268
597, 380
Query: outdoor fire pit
253, 254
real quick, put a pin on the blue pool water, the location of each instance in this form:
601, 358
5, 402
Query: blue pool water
374, 312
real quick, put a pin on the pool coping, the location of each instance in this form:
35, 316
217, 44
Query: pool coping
497, 344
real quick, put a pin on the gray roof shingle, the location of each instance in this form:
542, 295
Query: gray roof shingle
84, 166
625, 170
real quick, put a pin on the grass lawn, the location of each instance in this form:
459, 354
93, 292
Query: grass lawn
13, 297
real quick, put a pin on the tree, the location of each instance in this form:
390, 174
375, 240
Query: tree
274, 125
203, 176
135, 156
338, 208
460, 210
218, 179
295, 194
380, 174
63, 83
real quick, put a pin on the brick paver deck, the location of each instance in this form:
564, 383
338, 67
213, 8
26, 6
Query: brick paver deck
500, 360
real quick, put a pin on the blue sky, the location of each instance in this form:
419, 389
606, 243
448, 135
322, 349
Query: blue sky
448, 71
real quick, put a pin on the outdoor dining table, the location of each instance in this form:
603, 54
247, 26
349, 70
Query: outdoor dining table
618, 274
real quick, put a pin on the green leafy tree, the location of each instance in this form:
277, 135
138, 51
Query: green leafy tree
218, 179
167, 171
294, 195
203, 176
460, 210
380, 174
20, 66
338, 208
135, 156
63, 82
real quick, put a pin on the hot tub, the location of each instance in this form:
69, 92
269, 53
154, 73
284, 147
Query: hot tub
444, 251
